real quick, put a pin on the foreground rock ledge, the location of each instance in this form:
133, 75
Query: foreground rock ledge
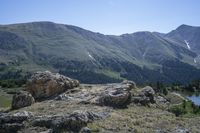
12, 123
43, 85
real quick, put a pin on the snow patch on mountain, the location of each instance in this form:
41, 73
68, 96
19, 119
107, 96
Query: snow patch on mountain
195, 61
91, 56
187, 43
145, 52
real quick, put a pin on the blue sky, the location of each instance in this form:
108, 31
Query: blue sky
105, 16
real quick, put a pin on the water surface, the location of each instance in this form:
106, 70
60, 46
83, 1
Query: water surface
195, 99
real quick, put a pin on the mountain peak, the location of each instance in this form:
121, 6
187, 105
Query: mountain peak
185, 27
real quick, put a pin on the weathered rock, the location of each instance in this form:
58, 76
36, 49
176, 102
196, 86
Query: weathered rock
7, 118
24, 114
161, 100
118, 95
22, 99
75, 94
11, 123
63, 96
15, 118
47, 131
145, 97
148, 92
181, 130
129, 84
73, 122
10, 127
43, 85
85, 130
143, 100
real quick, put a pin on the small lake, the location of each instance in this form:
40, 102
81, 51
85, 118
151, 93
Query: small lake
193, 96
195, 99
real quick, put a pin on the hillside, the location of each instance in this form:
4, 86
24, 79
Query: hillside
97, 58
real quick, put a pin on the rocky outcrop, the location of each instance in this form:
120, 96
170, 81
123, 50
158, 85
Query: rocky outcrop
129, 84
11, 123
161, 100
73, 122
148, 92
43, 85
146, 96
85, 130
117, 95
22, 99
95, 102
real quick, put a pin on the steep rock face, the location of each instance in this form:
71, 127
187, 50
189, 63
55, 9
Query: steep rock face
43, 85
22, 99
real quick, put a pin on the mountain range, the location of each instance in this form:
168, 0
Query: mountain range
97, 58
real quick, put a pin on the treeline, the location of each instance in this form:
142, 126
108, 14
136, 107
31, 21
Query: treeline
12, 83
161, 87
89, 77
193, 86
171, 71
13, 78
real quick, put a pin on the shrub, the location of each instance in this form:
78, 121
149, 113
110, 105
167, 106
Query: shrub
165, 91
177, 110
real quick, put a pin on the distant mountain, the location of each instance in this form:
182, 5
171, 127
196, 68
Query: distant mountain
190, 38
97, 58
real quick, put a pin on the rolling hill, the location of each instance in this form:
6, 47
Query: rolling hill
96, 58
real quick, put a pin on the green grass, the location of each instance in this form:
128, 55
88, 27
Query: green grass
109, 73
5, 100
6, 96
140, 120
187, 108
13, 90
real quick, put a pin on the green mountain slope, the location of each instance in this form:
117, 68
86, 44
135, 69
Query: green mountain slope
94, 57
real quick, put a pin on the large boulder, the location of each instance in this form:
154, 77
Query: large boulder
148, 92
145, 97
22, 99
118, 95
43, 85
